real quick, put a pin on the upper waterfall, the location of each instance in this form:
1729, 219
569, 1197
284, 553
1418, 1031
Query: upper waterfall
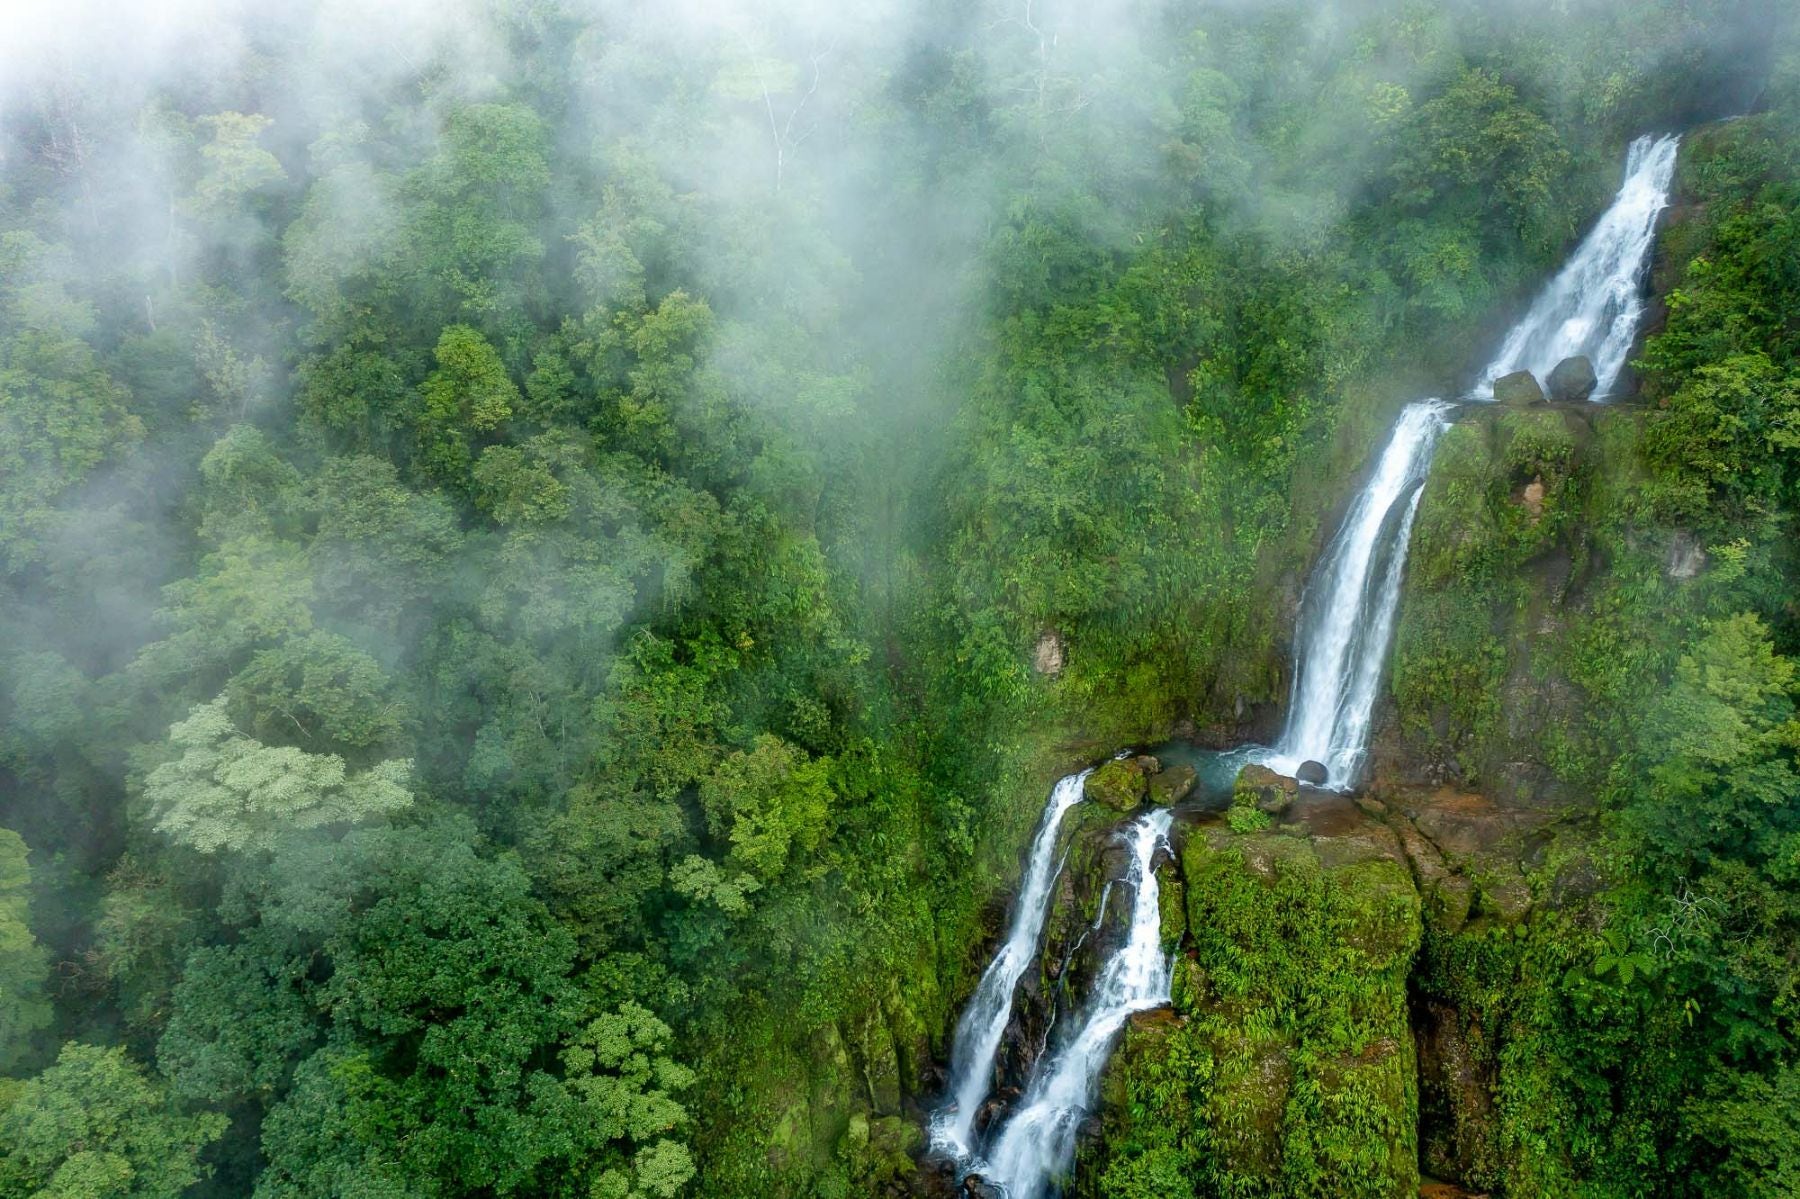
1595, 303
1592, 307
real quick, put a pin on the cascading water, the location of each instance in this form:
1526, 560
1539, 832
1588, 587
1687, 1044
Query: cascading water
1592, 307
1038, 1142
984, 1019
1348, 611
1594, 304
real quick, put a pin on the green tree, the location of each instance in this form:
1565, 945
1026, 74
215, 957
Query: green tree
61, 413
468, 395
23, 964
93, 1126
1720, 747
1478, 139
772, 802
317, 691
446, 995
232, 164
229, 791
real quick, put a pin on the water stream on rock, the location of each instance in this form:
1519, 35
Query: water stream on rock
1347, 614
984, 1019
1038, 1141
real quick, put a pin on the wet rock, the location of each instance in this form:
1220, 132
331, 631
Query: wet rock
1119, 784
1519, 388
1459, 1129
1048, 655
1572, 380
1313, 774
977, 1187
1172, 785
1264, 789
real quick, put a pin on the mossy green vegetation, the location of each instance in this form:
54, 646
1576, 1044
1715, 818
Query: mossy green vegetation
1637, 655
1287, 1066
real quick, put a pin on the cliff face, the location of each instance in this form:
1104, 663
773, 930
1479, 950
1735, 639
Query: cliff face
1506, 550
1366, 994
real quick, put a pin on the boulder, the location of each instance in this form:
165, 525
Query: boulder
1572, 381
1048, 655
977, 1187
1519, 388
1173, 785
1264, 789
1119, 784
1313, 774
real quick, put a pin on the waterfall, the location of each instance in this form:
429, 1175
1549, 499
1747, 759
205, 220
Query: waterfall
1347, 614
1038, 1142
984, 1019
1594, 304
1591, 307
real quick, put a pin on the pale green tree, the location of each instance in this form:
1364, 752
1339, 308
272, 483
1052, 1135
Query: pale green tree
229, 791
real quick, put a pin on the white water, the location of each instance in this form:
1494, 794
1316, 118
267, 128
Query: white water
984, 1019
1348, 611
1038, 1142
1594, 304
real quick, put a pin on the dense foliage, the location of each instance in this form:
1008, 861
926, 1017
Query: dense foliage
523, 535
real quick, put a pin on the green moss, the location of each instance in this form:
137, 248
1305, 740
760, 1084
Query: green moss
1119, 784
1289, 1068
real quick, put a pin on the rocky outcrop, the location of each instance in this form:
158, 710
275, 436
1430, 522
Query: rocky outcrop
1124, 783
1502, 553
1120, 784
1242, 1073
1172, 784
1518, 389
1572, 380
1048, 655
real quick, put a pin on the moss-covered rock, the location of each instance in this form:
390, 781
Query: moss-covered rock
1519, 388
1287, 1066
1503, 549
1120, 784
1264, 789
